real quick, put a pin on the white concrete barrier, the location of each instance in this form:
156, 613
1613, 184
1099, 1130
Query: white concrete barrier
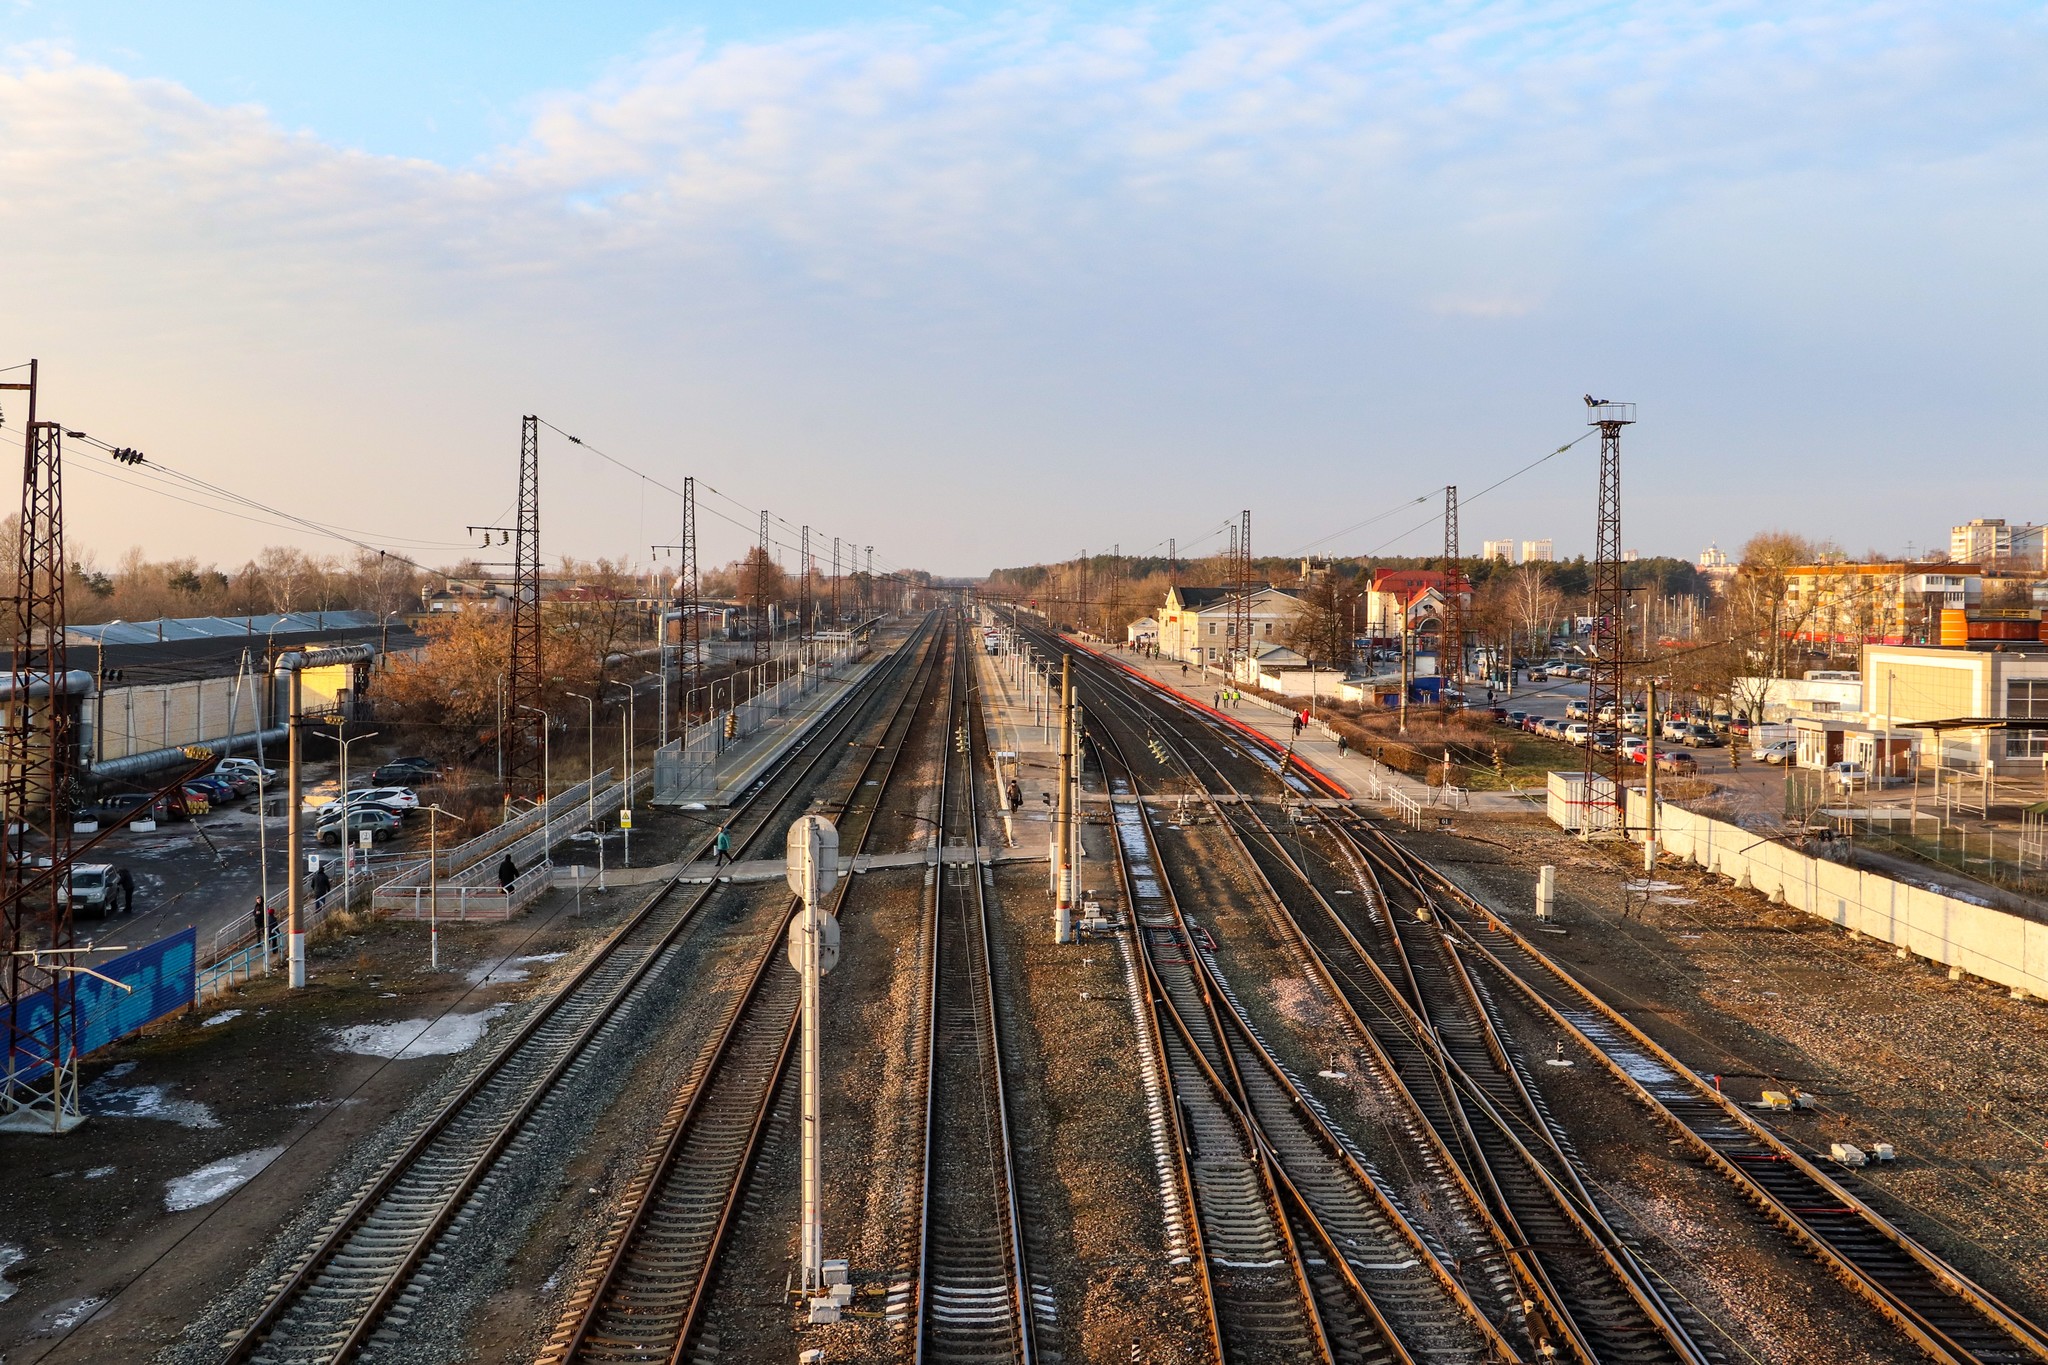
1983, 940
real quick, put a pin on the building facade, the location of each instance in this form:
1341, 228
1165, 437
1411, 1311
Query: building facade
1991, 541
1538, 552
1837, 605
1503, 550
1195, 624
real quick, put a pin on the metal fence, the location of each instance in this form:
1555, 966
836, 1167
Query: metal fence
691, 764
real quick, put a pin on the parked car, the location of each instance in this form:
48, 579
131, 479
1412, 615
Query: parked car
398, 801
237, 782
1676, 761
1673, 731
1604, 740
1576, 710
1848, 776
382, 824
219, 791
1515, 718
1577, 732
119, 805
1701, 737
1539, 674
197, 802
91, 889
1780, 751
1633, 747
1500, 713
247, 767
1739, 727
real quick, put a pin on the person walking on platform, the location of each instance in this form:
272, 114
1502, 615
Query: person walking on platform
1016, 795
508, 873
1343, 746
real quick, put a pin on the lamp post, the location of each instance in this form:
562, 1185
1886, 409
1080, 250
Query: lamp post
347, 852
590, 783
434, 814
627, 728
546, 760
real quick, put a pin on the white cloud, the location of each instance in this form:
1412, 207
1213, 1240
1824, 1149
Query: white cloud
1198, 236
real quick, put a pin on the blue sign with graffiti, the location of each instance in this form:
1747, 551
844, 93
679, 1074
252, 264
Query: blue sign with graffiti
161, 981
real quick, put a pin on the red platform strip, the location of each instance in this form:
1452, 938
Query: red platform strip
1307, 769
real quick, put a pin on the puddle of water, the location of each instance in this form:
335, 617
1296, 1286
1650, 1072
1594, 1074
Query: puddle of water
68, 1315
222, 1177
505, 973
407, 1038
10, 1257
210, 1020
143, 1101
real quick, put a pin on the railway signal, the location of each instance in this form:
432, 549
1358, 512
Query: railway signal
813, 870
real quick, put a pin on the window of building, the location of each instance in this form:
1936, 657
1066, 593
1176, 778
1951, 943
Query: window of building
2026, 697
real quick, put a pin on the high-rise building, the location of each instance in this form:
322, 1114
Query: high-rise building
1990, 541
1498, 549
1538, 552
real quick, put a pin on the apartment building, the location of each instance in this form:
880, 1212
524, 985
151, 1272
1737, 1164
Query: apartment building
1992, 542
1876, 604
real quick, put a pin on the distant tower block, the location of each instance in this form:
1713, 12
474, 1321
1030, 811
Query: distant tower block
1538, 552
1503, 550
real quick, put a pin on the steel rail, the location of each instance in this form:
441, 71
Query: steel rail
1396, 1077
660, 1250
361, 1270
973, 1295
1947, 1314
1240, 1202
1520, 1186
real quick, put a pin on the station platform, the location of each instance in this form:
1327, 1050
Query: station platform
1021, 748
704, 768
1357, 773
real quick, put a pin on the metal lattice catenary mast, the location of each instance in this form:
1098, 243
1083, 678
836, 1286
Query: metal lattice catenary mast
1450, 664
1610, 634
1240, 628
38, 750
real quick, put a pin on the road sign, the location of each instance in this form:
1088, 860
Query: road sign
625, 819
363, 839
828, 943
813, 839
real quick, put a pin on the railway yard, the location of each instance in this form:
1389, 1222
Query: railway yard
1309, 1085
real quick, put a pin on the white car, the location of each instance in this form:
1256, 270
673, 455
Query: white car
1782, 751
1849, 776
246, 767
399, 801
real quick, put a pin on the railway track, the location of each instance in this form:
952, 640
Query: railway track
973, 1287
1380, 1285
1433, 1031
356, 1290
1947, 1314
644, 1294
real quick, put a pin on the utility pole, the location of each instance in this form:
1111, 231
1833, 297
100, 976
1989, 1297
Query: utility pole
1240, 627
835, 583
1172, 562
1450, 664
1062, 838
803, 586
39, 751
1649, 775
1610, 633
523, 680
1404, 667
763, 640
813, 870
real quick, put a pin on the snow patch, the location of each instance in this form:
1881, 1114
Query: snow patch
209, 1183
10, 1257
407, 1038
143, 1101
210, 1020
68, 1315
506, 972
99, 1172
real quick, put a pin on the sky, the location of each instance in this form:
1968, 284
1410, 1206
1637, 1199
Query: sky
986, 285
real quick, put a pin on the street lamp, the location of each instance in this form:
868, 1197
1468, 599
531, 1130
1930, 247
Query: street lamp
590, 783
546, 760
347, 852
434, 814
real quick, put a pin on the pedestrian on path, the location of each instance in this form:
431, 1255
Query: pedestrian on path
1296, 721
721, 847
124, 886
262, 921
508, 873
322, 884
1016, 795
1217, 698
1343, 746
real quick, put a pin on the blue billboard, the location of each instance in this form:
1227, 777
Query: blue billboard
161, 978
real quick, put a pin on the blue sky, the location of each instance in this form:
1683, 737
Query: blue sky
982, 285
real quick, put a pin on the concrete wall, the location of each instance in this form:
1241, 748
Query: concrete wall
1997, 945
134, 720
